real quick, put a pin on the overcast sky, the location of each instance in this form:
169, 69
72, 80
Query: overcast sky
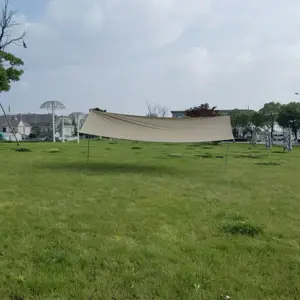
119, 54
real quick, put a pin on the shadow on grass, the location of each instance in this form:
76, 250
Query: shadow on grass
107, 167
252, 156
268, 164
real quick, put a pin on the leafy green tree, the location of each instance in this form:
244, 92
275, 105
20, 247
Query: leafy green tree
257, 120
289, 117
269, 115
9, 70
203, 110
246, 121
74, 124
10, 65
35, 131
234, 117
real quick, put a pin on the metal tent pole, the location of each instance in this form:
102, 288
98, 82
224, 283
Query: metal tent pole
53, 123
63, 129
78, 137
226, 156
88, 153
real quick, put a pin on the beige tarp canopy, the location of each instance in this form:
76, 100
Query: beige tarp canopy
151, 129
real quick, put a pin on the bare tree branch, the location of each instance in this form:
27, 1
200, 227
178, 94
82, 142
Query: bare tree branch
163, 111
155, 110
7, 24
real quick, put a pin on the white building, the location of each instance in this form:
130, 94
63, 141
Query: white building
17, 126
4, 136
67, 130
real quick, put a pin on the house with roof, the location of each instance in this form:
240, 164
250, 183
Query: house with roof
15, 126
43, 121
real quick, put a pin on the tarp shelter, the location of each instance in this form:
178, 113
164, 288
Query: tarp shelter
152, 129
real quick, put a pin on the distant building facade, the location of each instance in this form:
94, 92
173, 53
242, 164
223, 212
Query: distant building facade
23, 124
15, 126
5, 136
68, 128
43, 121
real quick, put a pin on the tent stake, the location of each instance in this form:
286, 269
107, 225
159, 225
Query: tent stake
88, 153
226, 156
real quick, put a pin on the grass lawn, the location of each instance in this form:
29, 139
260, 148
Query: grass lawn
143, 224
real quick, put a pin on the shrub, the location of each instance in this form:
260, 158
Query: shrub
23, 150
243, 227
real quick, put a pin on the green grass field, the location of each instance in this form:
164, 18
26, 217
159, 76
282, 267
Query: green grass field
143, 224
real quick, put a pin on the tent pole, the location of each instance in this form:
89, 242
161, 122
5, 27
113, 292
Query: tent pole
9, 124
88, 153
78, 136
226, 156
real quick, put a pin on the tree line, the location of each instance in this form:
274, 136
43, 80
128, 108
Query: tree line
247, 121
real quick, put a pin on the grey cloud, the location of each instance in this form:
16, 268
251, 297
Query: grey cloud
119, 54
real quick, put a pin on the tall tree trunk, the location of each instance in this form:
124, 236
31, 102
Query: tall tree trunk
272, 131
295, 131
